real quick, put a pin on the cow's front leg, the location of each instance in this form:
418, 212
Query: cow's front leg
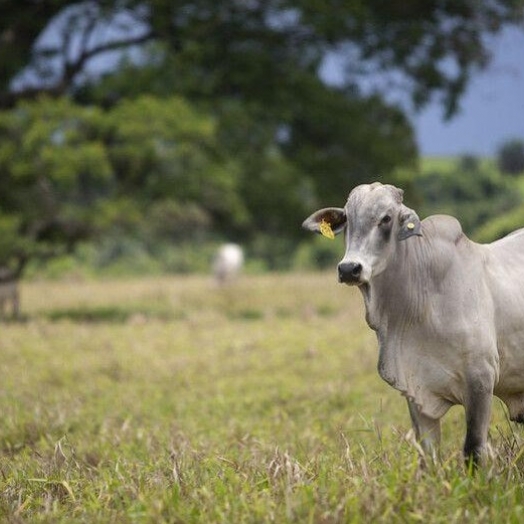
478, 400
427, 430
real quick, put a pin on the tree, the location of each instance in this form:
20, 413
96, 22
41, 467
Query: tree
510, 157
68, 172
240, 48
54, 169
471, 190
266, 55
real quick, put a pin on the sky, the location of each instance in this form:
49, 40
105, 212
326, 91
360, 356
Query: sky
492, 110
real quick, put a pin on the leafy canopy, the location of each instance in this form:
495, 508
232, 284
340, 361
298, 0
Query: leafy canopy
69, 171
254, 49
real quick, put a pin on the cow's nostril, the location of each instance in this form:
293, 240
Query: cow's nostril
356, 270
349, 271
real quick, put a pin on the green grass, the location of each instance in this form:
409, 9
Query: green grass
171, 400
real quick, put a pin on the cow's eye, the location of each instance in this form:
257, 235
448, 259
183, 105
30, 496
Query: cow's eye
386, 219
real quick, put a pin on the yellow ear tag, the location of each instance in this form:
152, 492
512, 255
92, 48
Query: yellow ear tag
410, 225
325, 229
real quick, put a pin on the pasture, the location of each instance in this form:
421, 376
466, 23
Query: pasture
173, 400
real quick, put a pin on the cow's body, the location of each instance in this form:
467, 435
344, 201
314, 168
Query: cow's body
462, 312
9, 296
448, 313
228, 263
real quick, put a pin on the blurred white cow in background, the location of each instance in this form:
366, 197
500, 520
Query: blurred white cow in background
227, 263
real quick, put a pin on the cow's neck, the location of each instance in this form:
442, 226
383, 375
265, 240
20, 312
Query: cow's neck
398, 295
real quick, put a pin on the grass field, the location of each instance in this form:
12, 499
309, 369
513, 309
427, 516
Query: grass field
169, 400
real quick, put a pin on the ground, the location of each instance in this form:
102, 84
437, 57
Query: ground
174, 400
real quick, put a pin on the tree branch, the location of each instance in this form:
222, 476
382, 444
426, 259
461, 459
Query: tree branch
9, 99
74, 67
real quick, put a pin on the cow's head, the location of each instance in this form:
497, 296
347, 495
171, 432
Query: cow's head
374, 220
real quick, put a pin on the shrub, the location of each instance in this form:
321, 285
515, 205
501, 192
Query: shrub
510, 157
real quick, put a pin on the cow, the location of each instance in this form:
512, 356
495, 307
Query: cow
448, 313
9, 293
227, 263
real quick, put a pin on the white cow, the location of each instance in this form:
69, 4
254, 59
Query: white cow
227, 263
448, 312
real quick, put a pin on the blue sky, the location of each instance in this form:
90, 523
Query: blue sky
492, 111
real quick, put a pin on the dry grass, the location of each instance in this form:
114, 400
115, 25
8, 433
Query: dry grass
170, 400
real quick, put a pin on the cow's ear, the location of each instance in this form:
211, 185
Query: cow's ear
329, 221
409, 224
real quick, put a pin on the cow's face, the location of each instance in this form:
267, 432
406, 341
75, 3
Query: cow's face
374, 220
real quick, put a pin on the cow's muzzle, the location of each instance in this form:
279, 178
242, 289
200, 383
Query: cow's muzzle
350, 272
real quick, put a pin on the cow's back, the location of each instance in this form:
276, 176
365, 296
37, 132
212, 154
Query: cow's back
504, 266
513, 241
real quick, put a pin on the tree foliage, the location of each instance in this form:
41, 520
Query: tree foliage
472, 191
252, 49
54, 168
510, 157
68, 170
149, 168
